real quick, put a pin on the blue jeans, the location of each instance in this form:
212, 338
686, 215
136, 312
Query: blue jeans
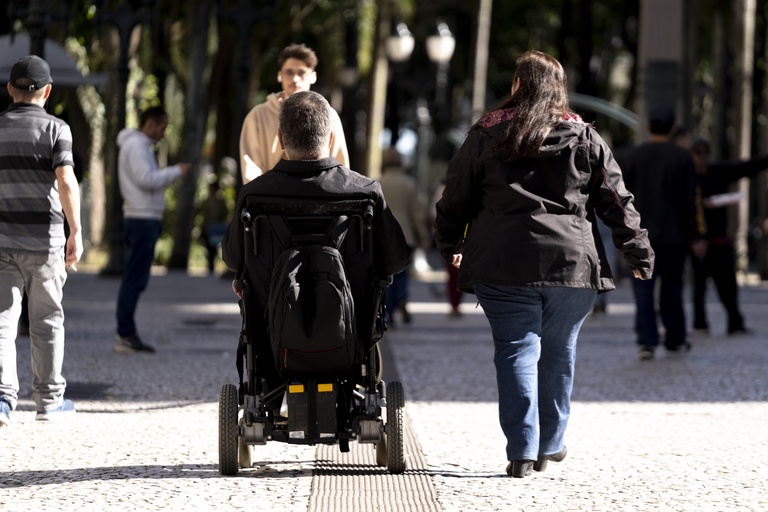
534, 334
42, 276
140, 237
397, 292
668, 269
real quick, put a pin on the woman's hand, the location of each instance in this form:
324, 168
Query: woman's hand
456, 260
237, 288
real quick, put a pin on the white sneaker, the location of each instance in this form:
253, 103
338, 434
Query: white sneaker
65, 410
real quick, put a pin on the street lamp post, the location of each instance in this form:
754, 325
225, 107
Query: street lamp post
244, 16
37, 15
439, 48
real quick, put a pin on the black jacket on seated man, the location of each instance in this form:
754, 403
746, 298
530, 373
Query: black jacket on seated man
293, 181
324, 179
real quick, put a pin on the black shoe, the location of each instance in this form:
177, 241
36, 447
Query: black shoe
645, 352
682, 348
741, 331
541, 463
131, 344
519, 468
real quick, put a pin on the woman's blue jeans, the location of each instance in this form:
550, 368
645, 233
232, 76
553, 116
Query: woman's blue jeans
535, 330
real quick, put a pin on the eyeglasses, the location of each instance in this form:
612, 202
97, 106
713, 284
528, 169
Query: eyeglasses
301, 73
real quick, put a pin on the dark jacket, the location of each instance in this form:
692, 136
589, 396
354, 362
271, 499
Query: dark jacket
532, 221
716, 182
662, 178
322, 179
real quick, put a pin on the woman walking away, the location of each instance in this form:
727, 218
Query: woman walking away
529, 180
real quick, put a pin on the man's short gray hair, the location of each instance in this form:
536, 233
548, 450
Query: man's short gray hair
305, 122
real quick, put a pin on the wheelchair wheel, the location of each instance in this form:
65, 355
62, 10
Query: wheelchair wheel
381, 451
244, 453
395, 438
228, 430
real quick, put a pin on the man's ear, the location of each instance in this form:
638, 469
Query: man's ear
10, 89
47, 91
280, 139
330, 143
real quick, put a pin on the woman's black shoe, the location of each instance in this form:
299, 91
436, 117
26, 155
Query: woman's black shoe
519, 468
541, 463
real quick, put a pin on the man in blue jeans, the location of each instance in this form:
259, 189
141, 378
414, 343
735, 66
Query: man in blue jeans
142, 185
661, 176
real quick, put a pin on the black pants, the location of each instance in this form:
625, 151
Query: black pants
719, 264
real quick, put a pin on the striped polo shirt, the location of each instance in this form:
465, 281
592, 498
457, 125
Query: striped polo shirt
33, 144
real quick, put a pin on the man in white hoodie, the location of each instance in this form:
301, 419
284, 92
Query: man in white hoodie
259, 148
142, 185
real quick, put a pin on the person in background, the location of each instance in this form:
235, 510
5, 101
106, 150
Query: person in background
215, 221
39, 192
719, 261
452, 282
661, 176
142, 185
529, 180
402, 194
259, 148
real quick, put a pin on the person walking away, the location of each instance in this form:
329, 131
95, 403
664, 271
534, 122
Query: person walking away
719, 261
452, 272
39, 191
402, 194
215, 221
142, 185
530, 179
661, 176
260, 149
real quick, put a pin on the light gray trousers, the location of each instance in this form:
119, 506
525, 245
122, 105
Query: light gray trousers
42, 276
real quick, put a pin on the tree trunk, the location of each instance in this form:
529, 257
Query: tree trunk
744, 17
193, 133
378, 91
762, 178
481, 59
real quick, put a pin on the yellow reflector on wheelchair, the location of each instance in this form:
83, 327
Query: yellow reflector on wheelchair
296, 388
324, 388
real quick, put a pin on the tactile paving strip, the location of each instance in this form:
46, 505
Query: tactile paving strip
353, 482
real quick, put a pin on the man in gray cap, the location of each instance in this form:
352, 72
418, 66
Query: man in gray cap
39, 191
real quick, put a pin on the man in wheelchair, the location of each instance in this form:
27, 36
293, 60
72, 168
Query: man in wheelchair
313, 245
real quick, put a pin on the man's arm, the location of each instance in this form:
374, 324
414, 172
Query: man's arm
249, 170
69, 193
339, 144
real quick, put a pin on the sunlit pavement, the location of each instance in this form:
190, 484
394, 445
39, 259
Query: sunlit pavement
682, 432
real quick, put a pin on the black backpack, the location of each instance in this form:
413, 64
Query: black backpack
310, 309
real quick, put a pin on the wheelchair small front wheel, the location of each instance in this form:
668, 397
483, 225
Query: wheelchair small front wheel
381, 451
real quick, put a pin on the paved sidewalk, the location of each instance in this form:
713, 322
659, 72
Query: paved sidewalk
683, 433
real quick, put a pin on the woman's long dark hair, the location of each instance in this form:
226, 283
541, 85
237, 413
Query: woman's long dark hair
539, 103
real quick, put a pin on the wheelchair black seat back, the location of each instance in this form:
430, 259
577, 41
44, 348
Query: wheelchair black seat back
313, 315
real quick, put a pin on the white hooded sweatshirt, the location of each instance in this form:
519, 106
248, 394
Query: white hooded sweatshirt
142, 184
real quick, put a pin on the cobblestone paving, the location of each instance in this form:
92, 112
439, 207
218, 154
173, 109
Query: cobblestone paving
682, 433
